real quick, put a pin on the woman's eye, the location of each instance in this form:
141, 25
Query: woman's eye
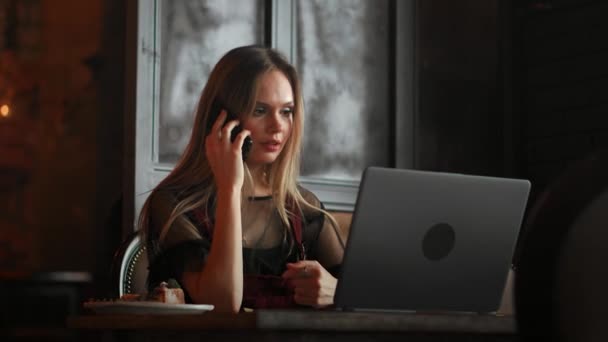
259, 111
287, 111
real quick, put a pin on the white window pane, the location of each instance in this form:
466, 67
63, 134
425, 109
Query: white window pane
342, 53
194, 35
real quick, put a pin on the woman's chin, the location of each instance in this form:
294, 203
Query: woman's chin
261, 160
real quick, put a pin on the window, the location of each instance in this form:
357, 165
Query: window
357, 76
194, 35
342, 53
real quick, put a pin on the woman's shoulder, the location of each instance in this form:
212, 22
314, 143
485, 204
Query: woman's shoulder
311, 211
183, 227
309, 197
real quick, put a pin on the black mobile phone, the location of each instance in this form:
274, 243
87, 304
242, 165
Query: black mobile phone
216, 108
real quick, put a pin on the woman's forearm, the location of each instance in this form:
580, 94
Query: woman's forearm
221, 281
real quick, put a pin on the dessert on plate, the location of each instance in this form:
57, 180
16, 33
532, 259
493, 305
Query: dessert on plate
169, 293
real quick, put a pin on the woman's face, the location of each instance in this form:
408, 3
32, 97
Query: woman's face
272, 119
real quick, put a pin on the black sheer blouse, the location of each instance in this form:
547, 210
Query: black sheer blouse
267, 243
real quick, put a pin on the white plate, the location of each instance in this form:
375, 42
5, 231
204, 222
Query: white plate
146, 308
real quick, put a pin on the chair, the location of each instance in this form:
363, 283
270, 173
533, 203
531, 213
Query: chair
561, 282
130, 266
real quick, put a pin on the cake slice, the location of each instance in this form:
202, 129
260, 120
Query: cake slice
165, 294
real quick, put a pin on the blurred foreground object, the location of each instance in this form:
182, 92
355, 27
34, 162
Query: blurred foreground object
561, 284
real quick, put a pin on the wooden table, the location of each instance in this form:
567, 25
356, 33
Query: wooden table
292, 325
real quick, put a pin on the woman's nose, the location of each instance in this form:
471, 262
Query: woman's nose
274, 124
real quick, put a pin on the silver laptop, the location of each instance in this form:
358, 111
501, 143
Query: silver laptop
430, 241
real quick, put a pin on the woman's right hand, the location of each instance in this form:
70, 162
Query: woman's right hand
225, 157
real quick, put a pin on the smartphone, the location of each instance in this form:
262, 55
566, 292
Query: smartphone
216, 108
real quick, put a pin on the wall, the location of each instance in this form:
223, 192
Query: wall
60, 210
459, 123
561, 83
511, 88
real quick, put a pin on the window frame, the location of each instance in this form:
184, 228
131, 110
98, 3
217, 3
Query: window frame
336, 194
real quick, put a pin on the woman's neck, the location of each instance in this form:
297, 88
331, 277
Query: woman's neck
260, 181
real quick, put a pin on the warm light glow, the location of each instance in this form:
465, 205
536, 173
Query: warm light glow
5, 110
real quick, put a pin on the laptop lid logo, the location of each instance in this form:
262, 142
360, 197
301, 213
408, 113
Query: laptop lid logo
438, 241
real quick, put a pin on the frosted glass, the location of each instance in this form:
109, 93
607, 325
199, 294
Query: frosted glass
342, 53
194, 35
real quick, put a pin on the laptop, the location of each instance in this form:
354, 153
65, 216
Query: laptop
430, 241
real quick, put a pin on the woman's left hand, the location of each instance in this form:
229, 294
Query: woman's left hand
313, 285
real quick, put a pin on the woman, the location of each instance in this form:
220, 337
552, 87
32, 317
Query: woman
241, 233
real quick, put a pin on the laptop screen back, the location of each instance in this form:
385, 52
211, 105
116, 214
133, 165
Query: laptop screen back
430, 241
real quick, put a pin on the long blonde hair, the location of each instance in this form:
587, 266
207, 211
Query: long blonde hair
234, 82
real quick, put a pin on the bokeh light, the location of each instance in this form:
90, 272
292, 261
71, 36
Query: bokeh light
5, 110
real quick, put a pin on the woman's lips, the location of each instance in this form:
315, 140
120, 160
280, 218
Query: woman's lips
272, 146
